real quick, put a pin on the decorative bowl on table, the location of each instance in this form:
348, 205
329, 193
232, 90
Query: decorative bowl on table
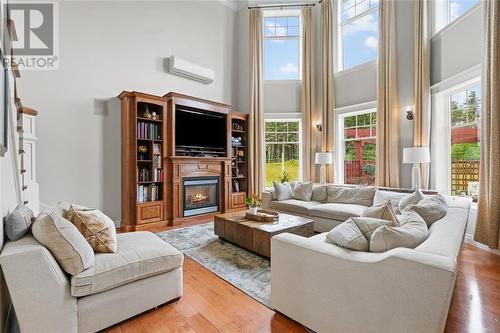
263, 216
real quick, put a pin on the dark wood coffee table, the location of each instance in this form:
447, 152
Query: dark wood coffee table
256, 236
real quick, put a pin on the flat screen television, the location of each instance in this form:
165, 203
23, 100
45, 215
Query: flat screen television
195, 129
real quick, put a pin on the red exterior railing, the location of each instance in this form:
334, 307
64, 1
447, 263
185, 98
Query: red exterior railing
354, 173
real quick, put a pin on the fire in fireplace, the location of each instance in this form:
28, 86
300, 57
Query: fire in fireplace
201, 195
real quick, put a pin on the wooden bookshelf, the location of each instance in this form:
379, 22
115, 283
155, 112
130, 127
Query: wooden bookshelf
239, 162
143, 150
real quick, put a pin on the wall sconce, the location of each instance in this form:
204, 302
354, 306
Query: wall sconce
318, 126
409, 112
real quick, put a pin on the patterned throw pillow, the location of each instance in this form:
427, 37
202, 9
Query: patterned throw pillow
98, 229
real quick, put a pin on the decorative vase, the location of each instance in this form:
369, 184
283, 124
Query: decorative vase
253, 210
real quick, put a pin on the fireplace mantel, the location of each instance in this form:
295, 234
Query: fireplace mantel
181, 167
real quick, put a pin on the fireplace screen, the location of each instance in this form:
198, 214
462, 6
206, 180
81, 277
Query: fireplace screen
201, 195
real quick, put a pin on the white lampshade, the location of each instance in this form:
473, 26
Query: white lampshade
416, 155
323, 158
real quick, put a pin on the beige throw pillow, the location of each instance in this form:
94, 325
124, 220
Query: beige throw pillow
282, 191
348, 235
430, 209
383, 211
319, 193
63, 240
98, 229
411, 199
368, 225
412, 232
303, 191
362, 195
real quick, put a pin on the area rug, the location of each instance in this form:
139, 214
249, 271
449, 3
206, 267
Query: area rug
246, 271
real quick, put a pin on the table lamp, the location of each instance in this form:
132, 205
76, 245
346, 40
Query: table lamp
323, 159
416, 155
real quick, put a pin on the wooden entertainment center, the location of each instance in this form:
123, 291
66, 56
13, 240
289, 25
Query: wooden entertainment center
183, 158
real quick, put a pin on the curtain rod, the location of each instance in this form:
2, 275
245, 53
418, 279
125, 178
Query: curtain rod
284, 5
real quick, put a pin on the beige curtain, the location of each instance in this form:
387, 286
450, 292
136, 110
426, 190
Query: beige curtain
307, 97
387, 172
488, 217
256, 171
422, 112
328, 137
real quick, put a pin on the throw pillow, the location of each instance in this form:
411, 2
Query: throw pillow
63, 240
362, 195
430, 209
382, 196
319, 193
98, 229
367, 225
303, 191
411, 199
348, 235
383, 211
412, 232
18, 222
282, 191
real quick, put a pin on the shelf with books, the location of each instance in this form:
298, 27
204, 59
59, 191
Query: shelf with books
239, 165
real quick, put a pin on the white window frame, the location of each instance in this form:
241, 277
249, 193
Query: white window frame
341, 113
440, 14
338, 42
276, 118
277, 13
441, 135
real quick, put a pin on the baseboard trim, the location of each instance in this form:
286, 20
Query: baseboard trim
469, 239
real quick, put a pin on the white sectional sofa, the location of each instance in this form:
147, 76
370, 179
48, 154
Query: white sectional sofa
331, 289
326, 215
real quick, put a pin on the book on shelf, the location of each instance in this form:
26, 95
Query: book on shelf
143, 175
158, 175
148, 131
147, 193
157, 162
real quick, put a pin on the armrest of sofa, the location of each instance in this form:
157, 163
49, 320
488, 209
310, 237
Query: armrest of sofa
267, 196
316, 283
39, 289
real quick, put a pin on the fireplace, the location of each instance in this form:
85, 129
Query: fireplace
201, 195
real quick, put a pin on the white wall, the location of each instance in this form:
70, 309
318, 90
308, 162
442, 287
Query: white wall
107, 47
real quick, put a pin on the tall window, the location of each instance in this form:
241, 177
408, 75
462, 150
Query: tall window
358, 32
282, 150
282, 46
359, 143
465, 112
446, 11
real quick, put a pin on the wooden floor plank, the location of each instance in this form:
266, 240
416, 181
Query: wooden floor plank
210, 304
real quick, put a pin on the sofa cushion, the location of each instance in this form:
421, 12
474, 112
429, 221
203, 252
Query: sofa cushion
382, 196
383, 211
430, 209
282, 191
139, 255
412, 232
410, 199
303, 191
294, 206
337, 211
348, 235
63, 240
18, 222
368, 225
351, 195
319, 193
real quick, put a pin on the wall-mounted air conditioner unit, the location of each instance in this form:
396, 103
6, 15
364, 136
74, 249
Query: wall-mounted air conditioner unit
189, 70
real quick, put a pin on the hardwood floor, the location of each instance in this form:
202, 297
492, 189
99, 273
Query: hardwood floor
210, 304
